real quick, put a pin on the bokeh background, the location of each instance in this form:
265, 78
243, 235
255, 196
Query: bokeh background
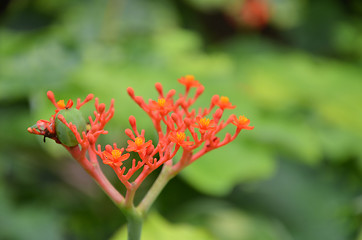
294, 67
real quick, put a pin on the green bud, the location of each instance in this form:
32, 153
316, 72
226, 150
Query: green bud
64, 134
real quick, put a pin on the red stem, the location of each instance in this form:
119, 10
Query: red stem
94, 170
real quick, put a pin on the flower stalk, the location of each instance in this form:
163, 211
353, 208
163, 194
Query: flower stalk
193, 132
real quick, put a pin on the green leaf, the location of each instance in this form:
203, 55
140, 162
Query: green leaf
228, 223
220, 170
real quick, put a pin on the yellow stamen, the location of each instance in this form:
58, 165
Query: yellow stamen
180, 136
161, 102
190, 78
204, 122
61, 104
116, 153
242, 119
139, 141
224, 99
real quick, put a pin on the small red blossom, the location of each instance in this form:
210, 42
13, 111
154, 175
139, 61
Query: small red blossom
61, 105
138, 144
162, 105
204, 124
113, 156
179, 139
241, 123
189, 81
224, 103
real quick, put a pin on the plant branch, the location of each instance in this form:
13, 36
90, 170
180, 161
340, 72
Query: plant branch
161, 181
94, 170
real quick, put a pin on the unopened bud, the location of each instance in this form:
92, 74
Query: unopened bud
130, 92
101, 108
199, 90
159, 88
76, 121
218, 114
187, 121
132, 121
171, 93
108, 148
215, 99
150, 149
129, 133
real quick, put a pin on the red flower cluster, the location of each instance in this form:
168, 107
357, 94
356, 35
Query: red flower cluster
195, 131
178, 127
84, 140
113, 156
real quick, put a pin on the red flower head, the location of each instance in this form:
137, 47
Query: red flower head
113, 156
224, 103
61, 105
189, 81
241, 123
162, 105
179, 139
176, 123
204, 124
138, 144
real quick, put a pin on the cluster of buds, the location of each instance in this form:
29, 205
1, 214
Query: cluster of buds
194, 131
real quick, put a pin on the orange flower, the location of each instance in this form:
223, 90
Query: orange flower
204, 124
224, 103
189, 81
113, 156
138, 144
179, 139
242, 122
162, 105
61, 105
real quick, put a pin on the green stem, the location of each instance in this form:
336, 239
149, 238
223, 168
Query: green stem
134, 226
161, 181
134, 222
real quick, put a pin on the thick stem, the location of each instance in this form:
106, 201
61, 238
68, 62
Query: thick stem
161, 181
134, 225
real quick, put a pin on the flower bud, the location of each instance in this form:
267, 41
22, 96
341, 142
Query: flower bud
101, 108
132, 121
130, 92
64, 134
159, 88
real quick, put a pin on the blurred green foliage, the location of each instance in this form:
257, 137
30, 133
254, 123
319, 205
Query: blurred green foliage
297, 175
